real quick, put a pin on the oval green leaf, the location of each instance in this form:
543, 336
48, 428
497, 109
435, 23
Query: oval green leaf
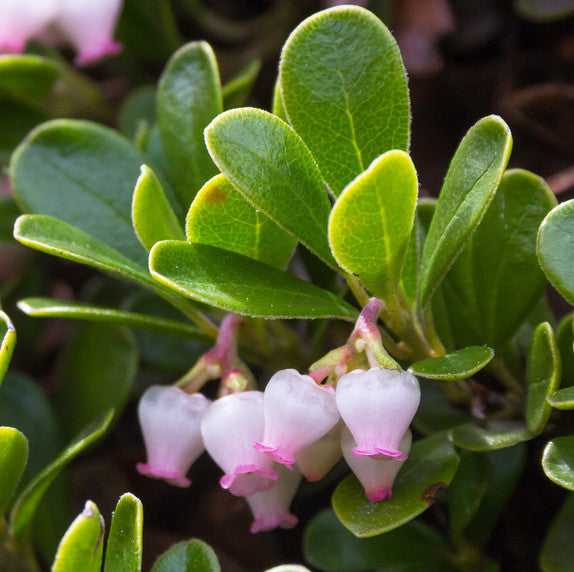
8, 335
496, 435
430, 468
562, 399
472, 179
27, 78
220, 216
191, 556
240, 284
565, 339
236, 91
455, 366
267, 162
557, 553
13, 458
345, 92
558, 461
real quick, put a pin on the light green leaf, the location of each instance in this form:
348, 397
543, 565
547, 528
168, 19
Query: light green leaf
124, 548
191, 556
271, 167
239, 284
345, 92
370, 224
277, 107
8, 335
82, 546
188, 98
137, 111
411, 267
13, 458
558, 461
472, 179
236, 91
456, 366
430, 468
27, 78
557, 553
496, 435
562, 399
220, 216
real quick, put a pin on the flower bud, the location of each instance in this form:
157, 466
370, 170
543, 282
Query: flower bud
316, 460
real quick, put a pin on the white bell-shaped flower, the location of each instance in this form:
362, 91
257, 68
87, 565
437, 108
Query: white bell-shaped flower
316, 460
170, 420
376, 475
378, 406
230, 428
271, 508
21, 20
298, 411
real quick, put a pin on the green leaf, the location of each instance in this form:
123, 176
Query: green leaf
430, 468
236, 91
152, 215
544, 10
472, 179
8, 335
543, 371
83, 174
27, 78
556, 248
271, 167
328, 545
277, 107
371, 222
345, 92
557, 553
558, 461
13, 458
188, 98
565, 340
240, 284
22, 513
220, 216
456, 366
17, 121
124, 548
137, 111
191, 556
411, 267
496, 435
82, 546
562, 399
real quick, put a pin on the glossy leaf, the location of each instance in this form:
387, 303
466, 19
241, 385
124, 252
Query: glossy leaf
271, 167
472, 179
496, 435
82, 546
562, 399
191, 556
558, 461
152, 215
345, 92
27, 78
236, 91
556, 248
239, 284
83, 174
124, 546
557, 553
543, 371
456, 366
23, 511
188, 98
220, 216
371, 222
13, 458
8, 335
430, 468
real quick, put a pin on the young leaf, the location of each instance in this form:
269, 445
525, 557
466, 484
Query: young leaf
266, 161
562, 399
152, 215
345, 92
543, 371
558, 461
496, 435
456, 366
8, 334
13, 458
188, 98
82, 546
236, 91
191, 556
472, 179
239, 284
370, 224
557, 553
220, 216
124, 548
430, 468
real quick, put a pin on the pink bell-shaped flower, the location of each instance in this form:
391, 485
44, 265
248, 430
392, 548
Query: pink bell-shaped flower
271, 508
170, 420
316, 460
376, 475
21, 20
298, 411
378, 406
230, 428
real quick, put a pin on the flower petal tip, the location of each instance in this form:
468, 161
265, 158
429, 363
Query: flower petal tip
379, 495
172, 477
273, 452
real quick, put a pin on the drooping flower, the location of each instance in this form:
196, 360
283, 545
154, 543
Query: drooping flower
376, 475
230, 428
377, 406
170, 420
298, 411
316, 460
271, 508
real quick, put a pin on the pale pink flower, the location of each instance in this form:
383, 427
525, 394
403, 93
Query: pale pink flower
170, 421
230, 428
271, 508
297, 413
376, 475
316, 460
20, 20
378, 406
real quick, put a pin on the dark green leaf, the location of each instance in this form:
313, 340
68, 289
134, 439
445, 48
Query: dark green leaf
17, 121
558, 461
456, 366
411, 268
558, 549
236, 91
13, 458
496, 435
27, 78
8, 335
138, 110
240, 284
191, 556
345, 91
565, 339
430, 468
